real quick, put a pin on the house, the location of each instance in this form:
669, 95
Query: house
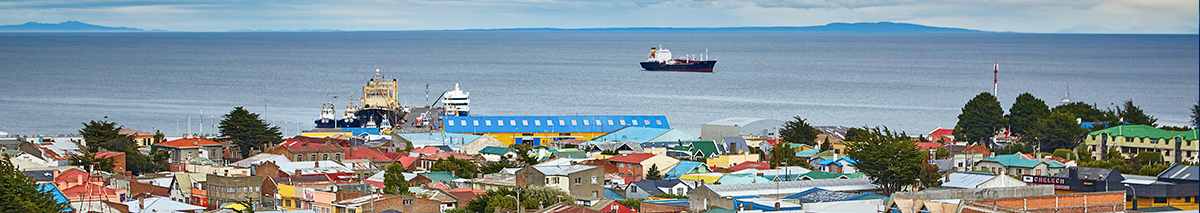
310, 152
186, 148
941, 135
735, 145
1018, 164
377, 179
1174, 146
221, 189
978, 181
739, 126
582, 181
447, 200
634, 166
496, 153
375, 157
710, 178
621, 147
838, 166
142, 139
665, 206
731, 160
820, 175
611, 206
381, 202
686, 167
646, 188
492, 181
473, 147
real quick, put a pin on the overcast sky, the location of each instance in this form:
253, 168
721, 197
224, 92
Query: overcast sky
1033, 16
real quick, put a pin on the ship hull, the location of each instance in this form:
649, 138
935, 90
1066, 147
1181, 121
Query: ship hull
351, 123
694, 66
325, 123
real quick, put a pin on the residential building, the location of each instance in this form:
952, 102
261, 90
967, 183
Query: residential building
730, 160
646, 188
633, 167
310, 152
686, 167
536, 130
611, 206
1174, 146
184, 149
582, 181
221, 189
1018, 164
495, 153
142, 139
838, 166
1080, 179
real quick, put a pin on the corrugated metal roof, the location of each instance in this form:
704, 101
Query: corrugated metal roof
966, 180
438, 138
503, 124
562, 170
634, 134
684, 167
1180, 172
791, 187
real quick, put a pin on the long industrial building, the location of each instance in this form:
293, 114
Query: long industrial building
536, 130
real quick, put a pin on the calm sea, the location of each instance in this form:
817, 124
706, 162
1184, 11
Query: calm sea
914, 83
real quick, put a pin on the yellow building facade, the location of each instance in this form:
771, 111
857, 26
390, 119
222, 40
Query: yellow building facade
1133, 139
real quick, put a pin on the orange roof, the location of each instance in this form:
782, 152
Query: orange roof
188, 143
631, 158
428, 150
135, 133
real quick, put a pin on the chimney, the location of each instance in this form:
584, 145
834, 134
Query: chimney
56, 174
297, 174
141, 203
316, 164
350, 152
128, 173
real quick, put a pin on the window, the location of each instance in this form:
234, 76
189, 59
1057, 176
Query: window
549, 123
1155, 140
487, 122
500, 122
614, 207
1129, 139
287, 203
337, 157
585, 122
1093, 137
512, 122
622, 122
598, 123
659, 122
299, 158
526, 134
537, 122
578, 181
573, 123
525, 122
633, 189
564, 134
562, 123
646, 122
313, 157
1142, 140
610, 123
464, 122
594, 179
595, 193
325, 157
451, 123
408, 201
475, 122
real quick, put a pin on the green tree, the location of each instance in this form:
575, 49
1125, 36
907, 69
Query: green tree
248, 131
1083, 111
853, 134
1062, 153
785, 155
798, 131
393, 179
826, 145
891, 159
930, 177
104, 134
506, 199
1058, 131
87, 158
1083, 154
247, 203
1134, 116
1153, 169
523, 155
1196, 116
458, 210
654, 174
459, 167
1024, 114
941, 152
1015, 148
21, 193
980, 119
496, 167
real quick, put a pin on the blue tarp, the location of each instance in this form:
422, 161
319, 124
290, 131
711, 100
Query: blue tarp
58, 196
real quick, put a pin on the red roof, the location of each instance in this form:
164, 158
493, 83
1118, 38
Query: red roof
135, 133
774, 142
394, 155
941, 131
928, 145
188, 143
471, 190
428, 150
749, 165
90, 190
290, 142
632, 158
465, 196
71, 175
365, 153
406, 160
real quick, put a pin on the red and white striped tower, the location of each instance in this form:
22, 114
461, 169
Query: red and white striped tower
996, 81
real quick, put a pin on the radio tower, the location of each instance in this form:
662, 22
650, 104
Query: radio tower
996, 80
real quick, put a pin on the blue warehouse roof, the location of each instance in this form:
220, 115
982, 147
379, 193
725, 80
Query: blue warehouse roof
514, 124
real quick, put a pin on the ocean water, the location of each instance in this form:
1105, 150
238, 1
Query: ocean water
52, 83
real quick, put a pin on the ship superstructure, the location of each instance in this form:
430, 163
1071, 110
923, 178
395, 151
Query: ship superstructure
457, 102
327, 117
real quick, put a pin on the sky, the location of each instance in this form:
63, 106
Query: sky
1027, 16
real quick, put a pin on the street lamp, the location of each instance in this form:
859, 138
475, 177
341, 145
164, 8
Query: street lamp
1135, 204
559, 199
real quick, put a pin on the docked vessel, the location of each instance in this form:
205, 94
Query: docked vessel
327, 119
457, 102
349, 119
660, 60
379, 101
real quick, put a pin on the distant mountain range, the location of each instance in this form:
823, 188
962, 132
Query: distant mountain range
877, 27
68, 26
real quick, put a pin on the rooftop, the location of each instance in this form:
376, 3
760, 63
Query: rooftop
188, 143
631, 158
1143, 131
791, 187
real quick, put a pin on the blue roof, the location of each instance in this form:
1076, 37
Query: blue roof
634, 134
610, 194
58, 196
509, 124
835, 161
682, 168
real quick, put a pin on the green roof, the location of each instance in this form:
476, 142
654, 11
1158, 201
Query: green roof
720, 210
1013, 160
571, 154
708, 147
1143, 131
440, 176
496, 150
